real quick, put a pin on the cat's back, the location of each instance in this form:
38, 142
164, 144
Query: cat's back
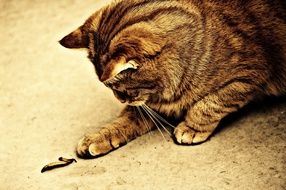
256, 28
256, 20
262, 13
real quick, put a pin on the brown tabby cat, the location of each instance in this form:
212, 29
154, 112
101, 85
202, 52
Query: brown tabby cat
197, 60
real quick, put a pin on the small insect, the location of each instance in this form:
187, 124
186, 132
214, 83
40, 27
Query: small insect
61, 163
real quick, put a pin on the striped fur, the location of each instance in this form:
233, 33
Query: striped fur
195, 60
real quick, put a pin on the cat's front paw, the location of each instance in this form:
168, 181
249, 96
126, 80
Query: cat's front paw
94, 145
186, 135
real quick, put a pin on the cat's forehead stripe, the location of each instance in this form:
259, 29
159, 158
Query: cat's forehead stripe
124, 19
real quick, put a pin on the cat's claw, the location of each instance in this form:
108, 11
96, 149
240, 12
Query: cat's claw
95, 150
93, 146
186, 135
83, 147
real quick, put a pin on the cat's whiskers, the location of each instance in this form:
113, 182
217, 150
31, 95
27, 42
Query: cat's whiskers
156, 121
151, 117
159, 122
144, 119
158, 116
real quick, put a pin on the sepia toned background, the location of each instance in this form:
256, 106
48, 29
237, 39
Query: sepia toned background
50, 97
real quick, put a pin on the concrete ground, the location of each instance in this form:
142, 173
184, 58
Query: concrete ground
50, 97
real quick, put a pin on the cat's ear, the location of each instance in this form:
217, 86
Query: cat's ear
113, 69
76, 39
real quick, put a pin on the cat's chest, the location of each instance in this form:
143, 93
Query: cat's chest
173, 109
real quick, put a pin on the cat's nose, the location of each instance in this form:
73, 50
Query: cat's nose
113, 86
121, 96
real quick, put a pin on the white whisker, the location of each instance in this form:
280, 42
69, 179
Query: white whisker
158, 116
144, 119
158, 120
146, 111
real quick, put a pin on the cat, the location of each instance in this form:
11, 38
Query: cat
196, 61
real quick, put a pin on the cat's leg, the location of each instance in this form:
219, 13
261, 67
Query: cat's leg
126, 127
203, 118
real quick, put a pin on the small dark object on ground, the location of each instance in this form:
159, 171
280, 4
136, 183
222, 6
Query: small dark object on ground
61, 163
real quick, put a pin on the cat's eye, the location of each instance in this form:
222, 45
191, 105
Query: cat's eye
125, 73
130, 65
113, 72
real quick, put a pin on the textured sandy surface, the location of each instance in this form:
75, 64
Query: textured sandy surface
50, 97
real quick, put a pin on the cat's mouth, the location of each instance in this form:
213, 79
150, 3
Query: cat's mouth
131, 99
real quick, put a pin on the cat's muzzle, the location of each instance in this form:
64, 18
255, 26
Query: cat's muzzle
131, 99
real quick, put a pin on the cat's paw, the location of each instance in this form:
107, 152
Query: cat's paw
186, 135
93, 145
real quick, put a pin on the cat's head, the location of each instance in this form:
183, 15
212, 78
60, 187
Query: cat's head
128, 54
